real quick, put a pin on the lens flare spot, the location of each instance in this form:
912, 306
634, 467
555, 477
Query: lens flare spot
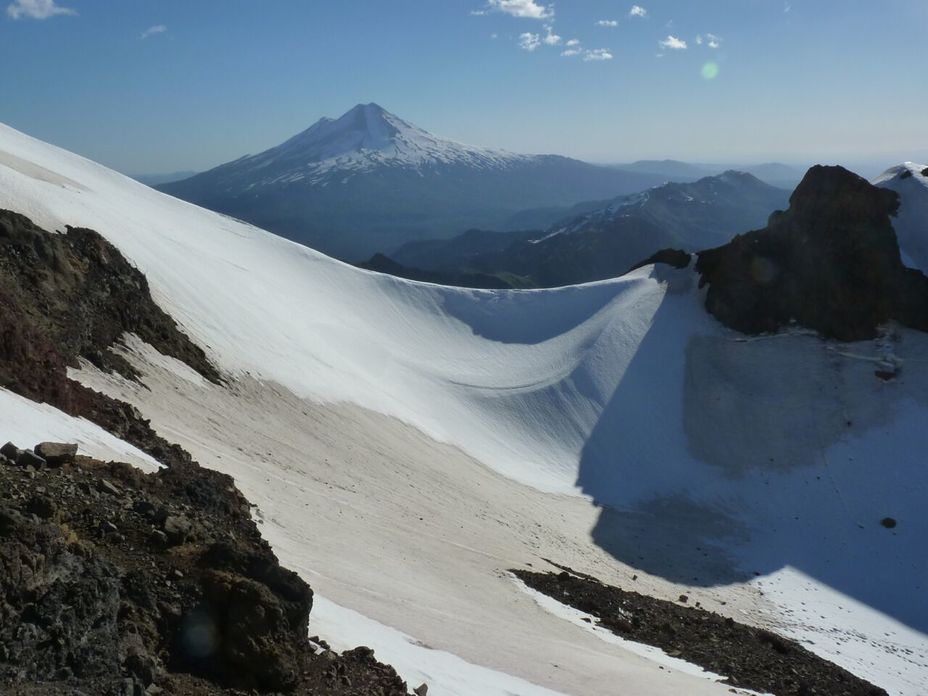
710, 71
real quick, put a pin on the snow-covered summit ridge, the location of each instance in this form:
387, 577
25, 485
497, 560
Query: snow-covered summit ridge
363, 138
910, 181
903, 172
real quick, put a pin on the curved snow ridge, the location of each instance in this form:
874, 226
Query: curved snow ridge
516, 379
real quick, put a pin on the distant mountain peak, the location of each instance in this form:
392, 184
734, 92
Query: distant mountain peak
910, 181
369, 180
904, 171
365, 137
364, 127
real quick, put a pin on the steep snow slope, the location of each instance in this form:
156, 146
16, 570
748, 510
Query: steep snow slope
624, 388
910, 181
481, 369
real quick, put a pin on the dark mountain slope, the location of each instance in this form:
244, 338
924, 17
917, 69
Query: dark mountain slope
369, 182
608, 242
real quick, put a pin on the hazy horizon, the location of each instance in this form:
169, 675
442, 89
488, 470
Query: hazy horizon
156, 88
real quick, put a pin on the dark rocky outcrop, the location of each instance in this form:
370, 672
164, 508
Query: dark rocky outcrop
748, 657
672, 257
830, 263
97, 591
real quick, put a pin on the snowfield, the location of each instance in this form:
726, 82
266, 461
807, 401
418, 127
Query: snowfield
406, 444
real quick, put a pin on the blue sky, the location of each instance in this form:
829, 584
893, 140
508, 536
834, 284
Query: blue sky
164, 85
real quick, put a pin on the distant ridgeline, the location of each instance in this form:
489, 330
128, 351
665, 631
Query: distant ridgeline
594, 240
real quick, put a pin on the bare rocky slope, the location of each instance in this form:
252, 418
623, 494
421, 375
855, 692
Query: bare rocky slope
113, 581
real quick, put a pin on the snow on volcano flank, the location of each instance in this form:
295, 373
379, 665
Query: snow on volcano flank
365, 137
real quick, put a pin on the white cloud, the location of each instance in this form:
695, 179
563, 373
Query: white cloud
637, 11
151, 31
36, 9
607, 23
573, 42
597, 54
571, 52
529, 41
551, 39
522, 8
713, 41
673, 43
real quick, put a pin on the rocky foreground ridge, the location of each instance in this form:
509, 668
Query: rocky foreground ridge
113, 581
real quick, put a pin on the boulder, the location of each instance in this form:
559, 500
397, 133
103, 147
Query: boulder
177, 528
10, 451
56, 453
29, 458
239, 633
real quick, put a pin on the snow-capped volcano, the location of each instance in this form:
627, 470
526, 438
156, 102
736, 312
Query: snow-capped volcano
362, 139
369, 181
910, 181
